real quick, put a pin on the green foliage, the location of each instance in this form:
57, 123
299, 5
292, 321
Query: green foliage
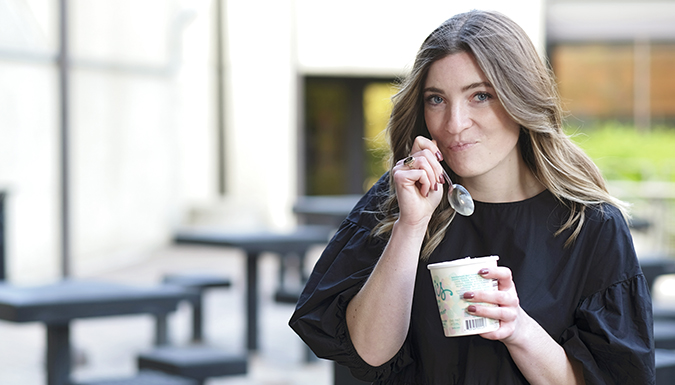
625, 153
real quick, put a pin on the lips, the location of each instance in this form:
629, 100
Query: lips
461, 146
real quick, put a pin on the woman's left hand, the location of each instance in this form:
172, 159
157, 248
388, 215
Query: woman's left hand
508, 311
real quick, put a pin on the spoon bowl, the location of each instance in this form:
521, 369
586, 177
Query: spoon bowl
459, 198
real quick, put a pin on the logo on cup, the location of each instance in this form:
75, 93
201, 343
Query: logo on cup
460, 276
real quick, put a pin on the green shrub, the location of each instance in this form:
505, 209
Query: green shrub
624, 153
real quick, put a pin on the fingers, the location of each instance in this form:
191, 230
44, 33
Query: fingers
507, 315
421, 143
506, 293
501, 274
506, 303
502, 304
417, 179
426, 156
429, 149
421, 168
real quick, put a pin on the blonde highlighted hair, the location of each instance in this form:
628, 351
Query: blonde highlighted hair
526, 88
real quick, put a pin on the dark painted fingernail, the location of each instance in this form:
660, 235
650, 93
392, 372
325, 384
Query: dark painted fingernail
468, 295
439, 156
484, 271
471, 309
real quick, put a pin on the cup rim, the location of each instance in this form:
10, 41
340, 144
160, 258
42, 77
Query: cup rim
462, 262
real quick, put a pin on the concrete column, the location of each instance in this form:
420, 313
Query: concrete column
261, 88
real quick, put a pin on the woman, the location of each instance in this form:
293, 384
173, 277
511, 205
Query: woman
573, 304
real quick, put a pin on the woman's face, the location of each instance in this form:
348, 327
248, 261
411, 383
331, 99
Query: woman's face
472, 129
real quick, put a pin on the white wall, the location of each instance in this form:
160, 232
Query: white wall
28, 135
261, 102
143, 124
382, 36
143, 127
28, 167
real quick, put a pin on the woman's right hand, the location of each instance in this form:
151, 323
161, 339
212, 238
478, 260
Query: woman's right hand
391, 285
418, 183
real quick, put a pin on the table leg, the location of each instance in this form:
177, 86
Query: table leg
252, 301
198, 320
58, 354
161, 329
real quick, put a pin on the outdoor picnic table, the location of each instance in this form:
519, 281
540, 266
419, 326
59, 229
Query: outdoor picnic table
654, 266
56, 304
254, 243
325, 209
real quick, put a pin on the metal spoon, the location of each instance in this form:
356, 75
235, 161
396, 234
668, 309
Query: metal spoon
459, 197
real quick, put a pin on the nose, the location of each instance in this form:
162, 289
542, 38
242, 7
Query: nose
458, 118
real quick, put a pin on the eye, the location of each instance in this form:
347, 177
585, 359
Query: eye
434, 99
482, 97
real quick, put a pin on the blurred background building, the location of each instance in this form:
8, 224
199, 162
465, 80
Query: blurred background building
614, 59
224, 112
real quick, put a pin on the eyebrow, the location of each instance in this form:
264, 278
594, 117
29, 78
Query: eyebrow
464, 89
476, 85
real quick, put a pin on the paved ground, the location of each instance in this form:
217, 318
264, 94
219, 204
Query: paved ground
106, 347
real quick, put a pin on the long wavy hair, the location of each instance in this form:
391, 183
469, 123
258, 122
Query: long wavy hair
526, 88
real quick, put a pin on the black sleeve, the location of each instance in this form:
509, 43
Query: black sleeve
342, 269
613, 335
613, 332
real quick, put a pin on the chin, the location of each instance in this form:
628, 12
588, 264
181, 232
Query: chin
462, 171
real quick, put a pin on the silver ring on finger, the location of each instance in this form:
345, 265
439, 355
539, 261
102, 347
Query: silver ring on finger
409, 161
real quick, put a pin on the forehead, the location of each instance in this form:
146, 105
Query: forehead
456, 70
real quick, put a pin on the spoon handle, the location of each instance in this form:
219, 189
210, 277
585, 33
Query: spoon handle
447, 179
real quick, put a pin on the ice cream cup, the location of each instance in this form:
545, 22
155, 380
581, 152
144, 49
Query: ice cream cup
451, 280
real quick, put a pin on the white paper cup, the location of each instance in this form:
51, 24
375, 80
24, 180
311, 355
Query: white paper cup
451, 280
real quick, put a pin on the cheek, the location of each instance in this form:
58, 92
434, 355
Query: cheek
432, 122
510, 138
510, 127
500, 147
513, 136
506, 132
428, 120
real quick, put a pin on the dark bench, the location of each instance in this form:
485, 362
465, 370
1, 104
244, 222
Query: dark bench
664, 334
198, 282
57, 304
664, 312
198, 362
665, 367
664, 320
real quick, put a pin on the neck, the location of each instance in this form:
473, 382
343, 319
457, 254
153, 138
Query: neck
519, 184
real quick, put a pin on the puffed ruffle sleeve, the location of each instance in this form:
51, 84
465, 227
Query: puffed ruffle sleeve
341, 271
612, 336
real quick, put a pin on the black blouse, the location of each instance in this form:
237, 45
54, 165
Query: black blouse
590, 297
